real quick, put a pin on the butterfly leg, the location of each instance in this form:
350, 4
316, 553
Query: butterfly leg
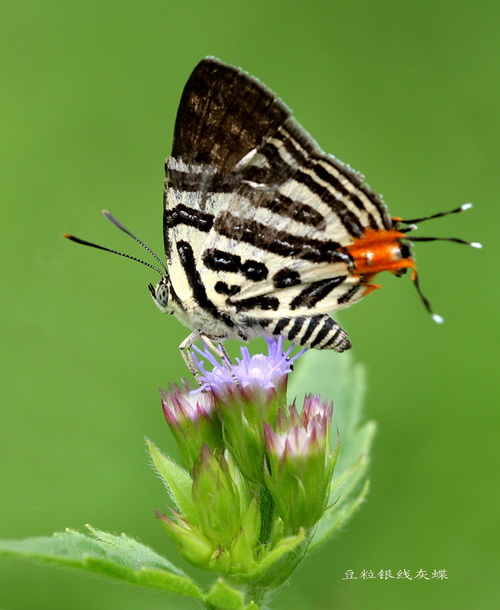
187, 356
220, 351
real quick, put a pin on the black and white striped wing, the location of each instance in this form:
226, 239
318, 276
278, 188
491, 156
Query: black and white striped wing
223, 114
288, 225
257, 217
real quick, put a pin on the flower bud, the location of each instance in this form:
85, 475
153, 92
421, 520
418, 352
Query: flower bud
299, 463
193, 421
216, 498
190, 542
223, 529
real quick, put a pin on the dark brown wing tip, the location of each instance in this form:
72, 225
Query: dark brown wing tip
224, 113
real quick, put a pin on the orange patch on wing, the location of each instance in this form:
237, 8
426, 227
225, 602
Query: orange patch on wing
378, 250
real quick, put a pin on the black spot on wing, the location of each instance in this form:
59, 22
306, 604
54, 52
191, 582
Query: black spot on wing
254, 270
285, 278
218, 260
227, 289
260, 302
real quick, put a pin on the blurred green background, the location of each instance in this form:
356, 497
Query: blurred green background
406, 92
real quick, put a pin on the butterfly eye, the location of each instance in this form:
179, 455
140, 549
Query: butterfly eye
161, 294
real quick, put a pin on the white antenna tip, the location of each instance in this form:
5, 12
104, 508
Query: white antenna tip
437, 318
466, 206
476, 244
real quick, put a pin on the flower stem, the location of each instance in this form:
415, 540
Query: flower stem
256, 594
266, 514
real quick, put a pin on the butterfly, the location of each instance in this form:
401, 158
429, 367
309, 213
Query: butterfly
264, 233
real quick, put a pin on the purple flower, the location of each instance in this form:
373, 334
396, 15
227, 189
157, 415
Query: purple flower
265, 371
247, 393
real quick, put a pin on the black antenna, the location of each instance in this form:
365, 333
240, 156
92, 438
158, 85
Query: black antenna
118, 224
112, 219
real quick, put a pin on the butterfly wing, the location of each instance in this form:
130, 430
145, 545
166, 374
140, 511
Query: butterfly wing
257, 217
277, 244
223, 114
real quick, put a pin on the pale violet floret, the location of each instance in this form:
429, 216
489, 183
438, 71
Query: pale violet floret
261, 369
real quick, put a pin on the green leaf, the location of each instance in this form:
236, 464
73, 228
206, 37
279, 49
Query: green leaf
177, 481
224, 597
334, 518
336, 377
102, 553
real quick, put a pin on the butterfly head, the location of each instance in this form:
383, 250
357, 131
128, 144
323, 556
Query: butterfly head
161, 294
